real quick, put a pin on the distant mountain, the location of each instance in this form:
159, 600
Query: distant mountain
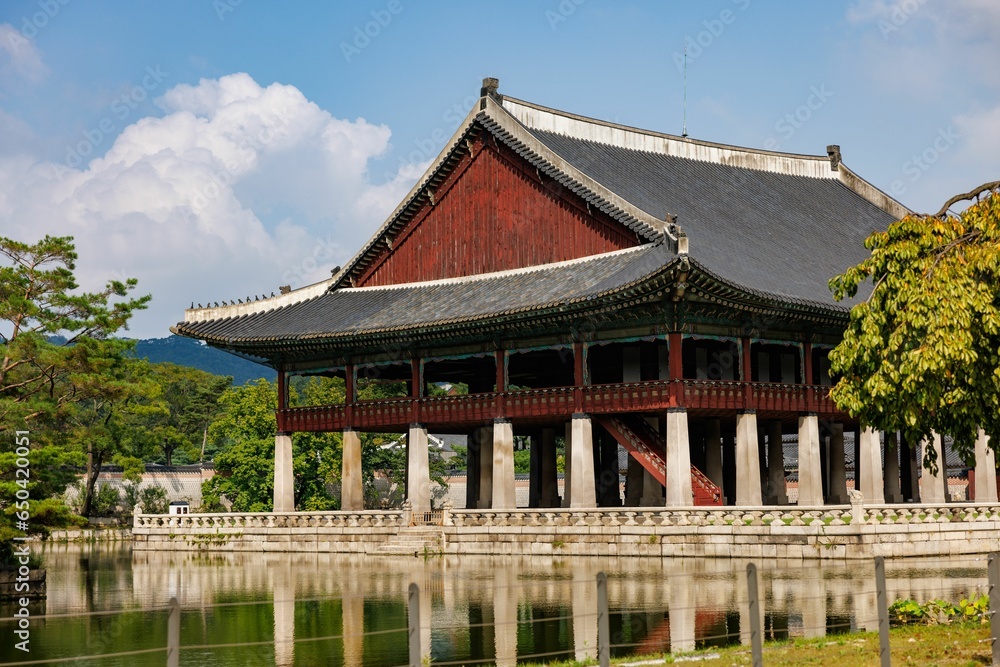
188, 352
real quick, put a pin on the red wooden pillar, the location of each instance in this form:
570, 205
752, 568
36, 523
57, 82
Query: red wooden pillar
807, 376
282, 398
501, 383
416, 388
675, 366
745, 360
578, 374
349, 395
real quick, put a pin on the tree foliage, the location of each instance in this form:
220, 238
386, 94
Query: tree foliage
56, 345
922, 353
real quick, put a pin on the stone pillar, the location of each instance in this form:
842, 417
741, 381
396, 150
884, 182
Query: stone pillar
713, 451
747, 461
549, 474
986, 471
568, 464
581, 469
418, 476
678, 467
352, 495
776, 491
810, 473
915, 459
534, 470
871, 461
633, 483
890, 483
934, 487
608, 482
472, 468
838, 463
284, 479
503, 465
583, 604
485, 437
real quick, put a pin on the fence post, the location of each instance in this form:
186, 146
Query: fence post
416, 654
603, 626
993, 568
174, 635
882, 603
756, 650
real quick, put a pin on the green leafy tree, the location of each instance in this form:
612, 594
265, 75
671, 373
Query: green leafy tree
190, 398
42, 381
922, 353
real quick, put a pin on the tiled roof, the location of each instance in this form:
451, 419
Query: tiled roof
777, 233
370, 310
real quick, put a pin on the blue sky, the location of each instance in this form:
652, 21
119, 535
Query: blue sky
217, 149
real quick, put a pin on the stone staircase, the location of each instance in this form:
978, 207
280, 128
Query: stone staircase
413, 541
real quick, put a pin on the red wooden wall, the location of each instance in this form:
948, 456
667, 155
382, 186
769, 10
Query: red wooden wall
495, 213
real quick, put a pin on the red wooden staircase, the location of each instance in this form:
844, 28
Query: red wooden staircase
649, 448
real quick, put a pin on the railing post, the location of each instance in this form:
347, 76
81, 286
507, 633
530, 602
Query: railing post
756, 648
882, 603
993, 568
413, 621
174, 635
603, 625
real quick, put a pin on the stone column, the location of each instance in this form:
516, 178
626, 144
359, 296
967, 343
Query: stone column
549, 475
352, 495
485, 437
933, 487
810, 473
986, 471
890, 483
472, 470
871, 461
503, 465
713, 451
678, 467
284, 480
581, 469
534, 470
633, 483
418, 476
747, 461
609, 490
838, 462
776, 491
568, 464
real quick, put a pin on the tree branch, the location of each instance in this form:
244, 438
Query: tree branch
968, 195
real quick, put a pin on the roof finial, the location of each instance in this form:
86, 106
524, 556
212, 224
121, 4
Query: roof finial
833, 151
490, 86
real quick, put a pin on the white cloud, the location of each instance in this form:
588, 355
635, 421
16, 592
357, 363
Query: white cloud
20, 60
236, 189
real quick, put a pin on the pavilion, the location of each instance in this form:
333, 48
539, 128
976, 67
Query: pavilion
613, 285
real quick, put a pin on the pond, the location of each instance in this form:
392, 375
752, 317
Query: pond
331, 609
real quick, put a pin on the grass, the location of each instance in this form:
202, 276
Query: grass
956, 645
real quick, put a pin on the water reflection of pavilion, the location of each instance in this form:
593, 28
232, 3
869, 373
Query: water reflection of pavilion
494, 608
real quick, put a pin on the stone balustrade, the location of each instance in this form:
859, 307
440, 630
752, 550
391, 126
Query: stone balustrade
827, 532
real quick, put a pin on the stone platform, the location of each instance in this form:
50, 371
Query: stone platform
832, 532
